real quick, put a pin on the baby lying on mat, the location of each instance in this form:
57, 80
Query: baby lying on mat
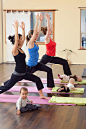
68, 87
64, 77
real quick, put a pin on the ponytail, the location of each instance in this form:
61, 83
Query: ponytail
44, 29
27, 39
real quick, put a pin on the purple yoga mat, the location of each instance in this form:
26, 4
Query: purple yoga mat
44, 80
35, 99
34, 90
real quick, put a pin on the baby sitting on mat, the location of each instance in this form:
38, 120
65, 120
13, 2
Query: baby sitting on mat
22, 105
68, 87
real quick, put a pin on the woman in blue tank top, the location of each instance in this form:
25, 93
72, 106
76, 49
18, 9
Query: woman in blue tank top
32, 64
19, 56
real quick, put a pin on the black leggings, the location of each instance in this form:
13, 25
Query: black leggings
14, 79
56, 60
65, 90
42, 67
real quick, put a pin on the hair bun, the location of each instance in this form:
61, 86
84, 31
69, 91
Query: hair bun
9, 37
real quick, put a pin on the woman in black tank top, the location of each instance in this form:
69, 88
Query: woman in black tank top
19, 56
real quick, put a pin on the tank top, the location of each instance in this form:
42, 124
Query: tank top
34, 55
20, 62
51, 48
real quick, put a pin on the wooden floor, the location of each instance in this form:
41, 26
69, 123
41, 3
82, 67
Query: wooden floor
49, 117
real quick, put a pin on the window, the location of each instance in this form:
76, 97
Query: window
41, 37
28, 16
83, 29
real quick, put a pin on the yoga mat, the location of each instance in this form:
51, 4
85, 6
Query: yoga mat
35, 99
34, 90
83, 82
44, 80
78, 91
72, 100
84, 73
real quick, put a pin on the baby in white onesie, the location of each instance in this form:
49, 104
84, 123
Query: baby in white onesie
68, 87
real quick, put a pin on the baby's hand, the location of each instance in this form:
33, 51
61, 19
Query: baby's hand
18, 112
74, 89
31, 101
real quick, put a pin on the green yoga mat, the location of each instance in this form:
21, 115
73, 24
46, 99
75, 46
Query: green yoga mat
78, 91
82, 82
67, 100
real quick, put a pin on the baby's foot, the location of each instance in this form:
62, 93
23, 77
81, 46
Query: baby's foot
59, 76
59, 90
39, 107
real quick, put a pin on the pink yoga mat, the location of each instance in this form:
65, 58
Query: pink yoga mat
34, 90
44, 80
35, 99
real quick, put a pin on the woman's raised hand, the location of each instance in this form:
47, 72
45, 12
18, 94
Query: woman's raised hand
16, 24
46, 15
37, 16
22, 25
41, 17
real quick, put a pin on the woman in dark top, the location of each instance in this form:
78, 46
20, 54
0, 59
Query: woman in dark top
19, 56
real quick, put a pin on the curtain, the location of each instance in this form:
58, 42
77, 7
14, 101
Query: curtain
10, 30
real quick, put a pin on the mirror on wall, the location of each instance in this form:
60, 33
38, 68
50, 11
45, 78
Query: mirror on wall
41, 37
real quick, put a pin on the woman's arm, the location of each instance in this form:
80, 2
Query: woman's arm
48, 26
31, 42
33, 38
39, 27
14, 50
23, 31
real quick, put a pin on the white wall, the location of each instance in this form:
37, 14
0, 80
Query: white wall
67, 24
0, 33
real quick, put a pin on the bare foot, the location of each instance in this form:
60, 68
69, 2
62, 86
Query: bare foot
49, 88
60, 89
43, 97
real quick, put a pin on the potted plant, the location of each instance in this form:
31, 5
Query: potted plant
67, 51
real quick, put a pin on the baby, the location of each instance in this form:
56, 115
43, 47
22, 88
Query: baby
66, 78
68, 87
22, 105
